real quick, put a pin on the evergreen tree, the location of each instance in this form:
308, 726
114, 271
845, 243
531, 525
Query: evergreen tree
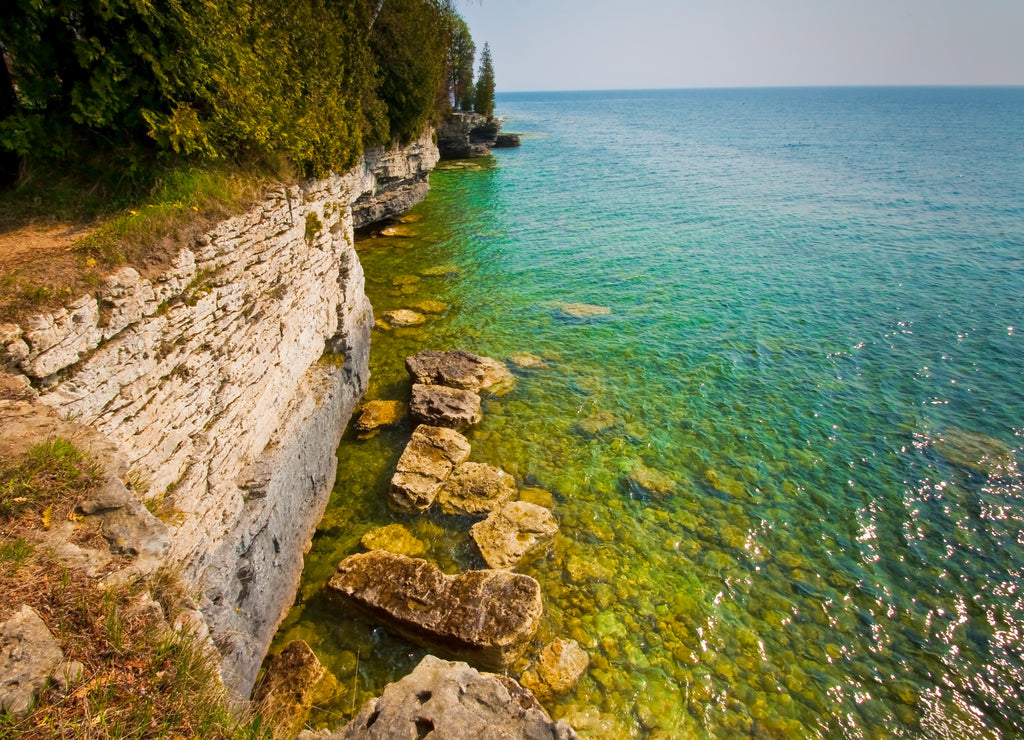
461, 54
483, 100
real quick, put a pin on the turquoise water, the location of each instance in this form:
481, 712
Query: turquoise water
784, 462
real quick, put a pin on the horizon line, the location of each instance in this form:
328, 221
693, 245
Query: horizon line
861, 86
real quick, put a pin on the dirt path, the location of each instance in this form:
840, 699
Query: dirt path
36, 243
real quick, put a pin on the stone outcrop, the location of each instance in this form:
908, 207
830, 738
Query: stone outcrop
466, 135
451, 701
556, 670
29, 654
427, 461
458, 369
207, 376
512, 531
485, 617
441, 406
476, 489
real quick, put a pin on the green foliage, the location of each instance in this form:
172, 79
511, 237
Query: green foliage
461, 54
409, 41
315, 79
483, 101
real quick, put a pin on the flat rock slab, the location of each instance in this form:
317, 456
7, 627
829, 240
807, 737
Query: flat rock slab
582, 311
429, 458
441, 406
452, 701
458, 369
476, 489
29, 653
376, 414
557, 669
511, 532
486, 617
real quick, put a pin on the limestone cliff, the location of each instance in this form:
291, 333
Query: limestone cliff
467, 135
227, 381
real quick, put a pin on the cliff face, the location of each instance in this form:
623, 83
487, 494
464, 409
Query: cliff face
467, 135
227, 382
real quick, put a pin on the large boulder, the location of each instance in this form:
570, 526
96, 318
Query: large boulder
458, 369
440, 406
476, 489
485, 617
452, 701
556, 670
428, 460
511, 532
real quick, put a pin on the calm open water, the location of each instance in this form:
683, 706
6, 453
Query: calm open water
784, 463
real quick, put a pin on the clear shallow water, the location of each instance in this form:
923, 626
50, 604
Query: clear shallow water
809, 291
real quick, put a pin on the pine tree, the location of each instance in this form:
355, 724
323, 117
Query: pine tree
483, 102
461, 53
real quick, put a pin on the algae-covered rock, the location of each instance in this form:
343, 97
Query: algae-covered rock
526, 361
430, 306
394, 538
441, 406
556, 670
381, 413
486, 617
650, 479
977, 452
427, 461
289, 688
582, 311
476, 489
509, 533
403, 317
452, 701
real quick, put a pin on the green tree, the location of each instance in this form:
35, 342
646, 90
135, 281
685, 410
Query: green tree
461, 55
483, 101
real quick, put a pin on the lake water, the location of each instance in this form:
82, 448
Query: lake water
784, 461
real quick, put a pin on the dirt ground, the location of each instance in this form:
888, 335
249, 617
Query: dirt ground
36, 243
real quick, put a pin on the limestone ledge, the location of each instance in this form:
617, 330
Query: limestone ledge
227, 381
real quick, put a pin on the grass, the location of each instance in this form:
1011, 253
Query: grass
142, 220
140, 679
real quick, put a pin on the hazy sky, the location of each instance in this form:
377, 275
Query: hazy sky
600, 44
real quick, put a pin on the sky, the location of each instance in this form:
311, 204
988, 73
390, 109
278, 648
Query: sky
639, 44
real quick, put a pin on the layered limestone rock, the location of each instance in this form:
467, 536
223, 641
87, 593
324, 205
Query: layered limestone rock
476, 489
458, 369
440, 406
509, 533
427, 461
209, 378
466, 135
486, 617
447, 700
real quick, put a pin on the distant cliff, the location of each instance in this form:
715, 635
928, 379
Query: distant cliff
468, 135
226, 383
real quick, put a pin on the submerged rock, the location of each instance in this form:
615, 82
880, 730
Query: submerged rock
486, 617
556, 670
582, 311
376, 414
526, 361
650, 480
430, 306
476, 489
508, 534
452, 701
440, 271
458, 369
393, 538
428, 460
441, 406
977, 452
403, 317
289, 688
